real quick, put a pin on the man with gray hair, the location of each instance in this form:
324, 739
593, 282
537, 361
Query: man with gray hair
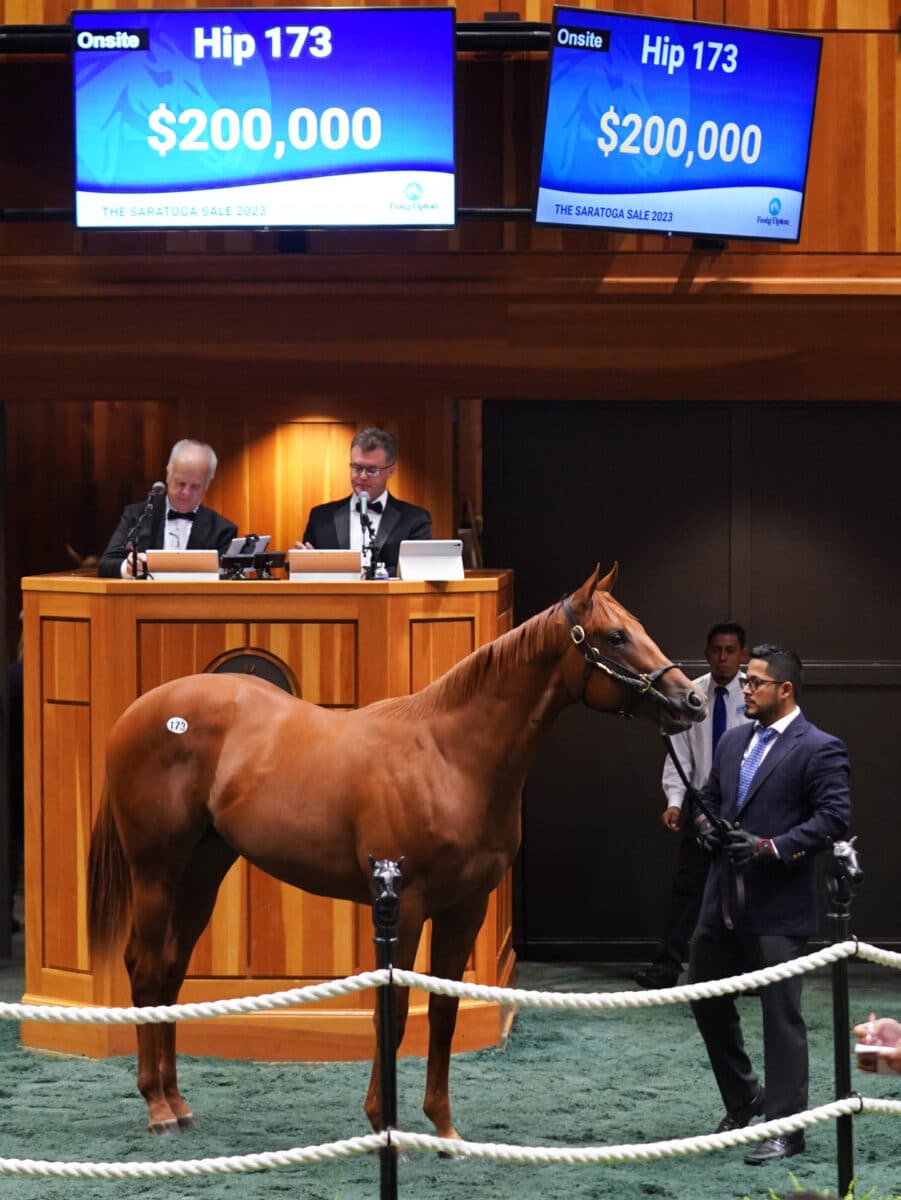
337, 526
176, 521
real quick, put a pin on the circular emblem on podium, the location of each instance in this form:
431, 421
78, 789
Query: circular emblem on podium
250, 660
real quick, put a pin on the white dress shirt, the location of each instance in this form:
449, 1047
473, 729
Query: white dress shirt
694, 747
356, 528
779, 726
177, 533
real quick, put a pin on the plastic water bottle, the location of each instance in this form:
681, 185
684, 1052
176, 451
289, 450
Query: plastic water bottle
381, 571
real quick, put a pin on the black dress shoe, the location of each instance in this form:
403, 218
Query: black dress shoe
743, 1116
775, 1148
656, 977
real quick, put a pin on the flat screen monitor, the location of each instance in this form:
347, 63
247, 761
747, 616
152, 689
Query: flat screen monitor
288, 117
676, 127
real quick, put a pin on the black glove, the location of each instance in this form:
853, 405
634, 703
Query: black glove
710, 836
743, 847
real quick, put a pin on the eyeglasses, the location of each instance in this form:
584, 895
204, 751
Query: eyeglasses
369, 472
753, 682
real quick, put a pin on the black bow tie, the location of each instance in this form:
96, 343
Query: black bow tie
172, 515
374, 506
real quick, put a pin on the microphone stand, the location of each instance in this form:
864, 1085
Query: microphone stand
367, 545
132, 536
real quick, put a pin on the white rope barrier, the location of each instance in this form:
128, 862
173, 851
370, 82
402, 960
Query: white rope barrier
494, 1151
517, 997
643, 1151
586, 1001
237, 1164
164, 1013
514, 997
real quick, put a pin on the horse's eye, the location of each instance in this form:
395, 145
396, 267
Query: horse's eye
617, 638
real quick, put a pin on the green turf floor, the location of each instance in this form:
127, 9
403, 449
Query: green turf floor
562, 1079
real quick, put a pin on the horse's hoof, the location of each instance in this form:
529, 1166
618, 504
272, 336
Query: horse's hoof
164, 1128
188, 1121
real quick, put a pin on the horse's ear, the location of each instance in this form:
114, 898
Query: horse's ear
594, 583
606, 584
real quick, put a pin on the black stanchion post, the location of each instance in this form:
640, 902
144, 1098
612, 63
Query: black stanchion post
845, 875
386, 884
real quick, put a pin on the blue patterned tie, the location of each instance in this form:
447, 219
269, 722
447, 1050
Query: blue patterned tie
750, 764
719, 715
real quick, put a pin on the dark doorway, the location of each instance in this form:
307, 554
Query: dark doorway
779, 516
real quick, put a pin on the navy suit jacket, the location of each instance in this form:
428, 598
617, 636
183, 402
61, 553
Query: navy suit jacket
328, 528
799, 797
209, 531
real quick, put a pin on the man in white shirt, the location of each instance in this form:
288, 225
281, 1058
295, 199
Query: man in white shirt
337, 525
176, 521
694, 748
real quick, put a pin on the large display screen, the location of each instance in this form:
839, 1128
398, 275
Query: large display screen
676, 127
281, 117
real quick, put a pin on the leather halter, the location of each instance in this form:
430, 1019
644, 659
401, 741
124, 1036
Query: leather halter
635, 681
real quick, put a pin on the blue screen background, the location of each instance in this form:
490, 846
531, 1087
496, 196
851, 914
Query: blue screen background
774, 88
400, 62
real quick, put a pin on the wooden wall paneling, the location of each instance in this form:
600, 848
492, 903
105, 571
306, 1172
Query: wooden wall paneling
322, 654
295, 453
812, 15
65, 802
72, 467
170, 649
221, 950
298, 936
435, 645
66, 660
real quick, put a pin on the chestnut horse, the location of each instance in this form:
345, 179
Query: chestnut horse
209, 767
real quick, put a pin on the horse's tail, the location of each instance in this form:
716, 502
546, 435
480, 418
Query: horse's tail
109, 885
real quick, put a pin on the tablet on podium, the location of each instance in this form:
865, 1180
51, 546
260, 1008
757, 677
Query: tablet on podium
325, 566
432, 561
183, 566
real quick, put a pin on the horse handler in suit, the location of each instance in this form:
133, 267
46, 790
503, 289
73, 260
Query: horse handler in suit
178, 521
336, 526
780, 786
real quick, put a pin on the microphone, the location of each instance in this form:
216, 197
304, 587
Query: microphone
363, 499
131, 538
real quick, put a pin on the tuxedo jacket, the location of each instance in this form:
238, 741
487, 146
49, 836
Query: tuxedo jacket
209, 531
799, 797
328, 528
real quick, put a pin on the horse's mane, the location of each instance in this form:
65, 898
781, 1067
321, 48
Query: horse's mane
525, 643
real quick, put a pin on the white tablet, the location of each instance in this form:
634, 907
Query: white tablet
431, 561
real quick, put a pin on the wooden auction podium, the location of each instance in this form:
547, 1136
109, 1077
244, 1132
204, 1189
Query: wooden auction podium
91, 647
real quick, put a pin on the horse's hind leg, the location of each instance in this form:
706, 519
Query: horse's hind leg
145, 962
453, 936
166, 929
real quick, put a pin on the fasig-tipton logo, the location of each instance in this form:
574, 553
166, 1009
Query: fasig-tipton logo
775, 208
112, 39
413, 201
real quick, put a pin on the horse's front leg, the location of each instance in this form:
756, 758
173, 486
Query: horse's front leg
408, 935
453, 937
